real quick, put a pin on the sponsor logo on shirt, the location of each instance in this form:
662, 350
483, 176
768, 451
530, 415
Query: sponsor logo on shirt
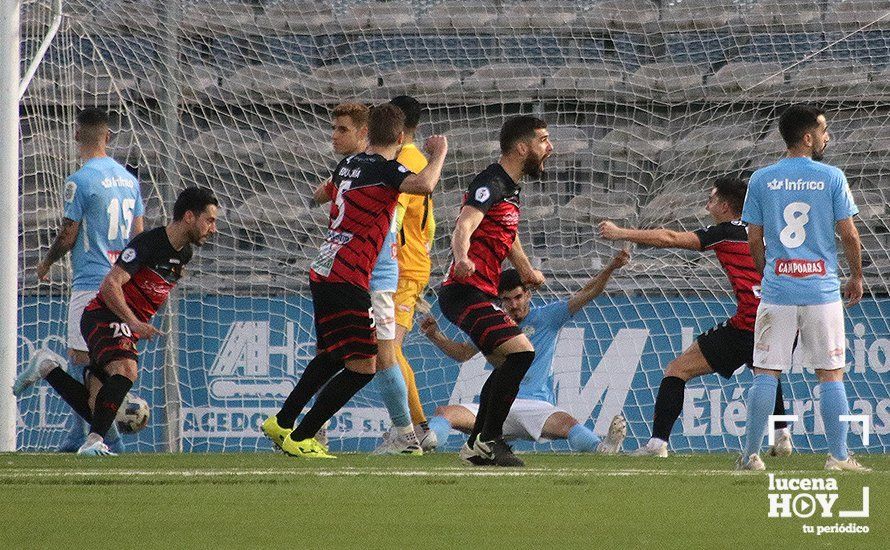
107, 183
795, 185
800, 268
128, 255
482, 194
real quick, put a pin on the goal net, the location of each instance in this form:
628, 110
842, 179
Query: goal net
646, 104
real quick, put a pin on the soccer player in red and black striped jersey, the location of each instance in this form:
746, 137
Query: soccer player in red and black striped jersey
728, 346
368, 186
120, 314
486, 234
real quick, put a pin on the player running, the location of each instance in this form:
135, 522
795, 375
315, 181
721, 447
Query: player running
533, 414
484, 235
350, 137
103, 210
793, 209
118, 316
416, 229
728, 346
367, 185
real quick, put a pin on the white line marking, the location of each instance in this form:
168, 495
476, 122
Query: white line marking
34, 474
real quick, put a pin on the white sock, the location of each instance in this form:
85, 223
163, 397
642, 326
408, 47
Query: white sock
93, 438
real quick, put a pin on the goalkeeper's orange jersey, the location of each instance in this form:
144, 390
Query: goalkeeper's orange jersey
415, 223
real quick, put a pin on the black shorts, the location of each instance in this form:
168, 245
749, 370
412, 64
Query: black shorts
475, 313
727, 348
108, 339
344, 323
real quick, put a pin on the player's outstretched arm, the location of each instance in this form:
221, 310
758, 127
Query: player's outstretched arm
530, 276
423, 182
853, 251
112, 293
458, 351
758, 249
595, 286
62, 245
661, 238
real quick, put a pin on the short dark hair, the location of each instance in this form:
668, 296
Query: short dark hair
517, 129
193, 199
92, 125
385, 123
510, 279
796, 121
92, 116
411, 107
733, 191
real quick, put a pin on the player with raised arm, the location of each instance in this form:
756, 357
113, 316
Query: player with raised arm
484, 235
793, 209
103, 210
728, 346
533, 414
416, 228
118, 316
350, 137
367, 185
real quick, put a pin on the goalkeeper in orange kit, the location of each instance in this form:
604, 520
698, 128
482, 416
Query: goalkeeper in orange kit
416, 228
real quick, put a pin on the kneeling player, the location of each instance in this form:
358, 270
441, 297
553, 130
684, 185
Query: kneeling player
726, 347
533, 415
119, 315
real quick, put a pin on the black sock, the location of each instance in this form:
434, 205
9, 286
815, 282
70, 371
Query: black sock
779, 409
331, 399
484, 400
505, 386
668, 405
73, 392
108, 401
321, 369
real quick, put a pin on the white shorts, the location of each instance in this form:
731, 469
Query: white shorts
79, 300
384, 314
821, 344
526, 418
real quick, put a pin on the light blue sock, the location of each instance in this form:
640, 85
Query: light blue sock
442, 427
834, 403
761, 403
583, 440
394, 392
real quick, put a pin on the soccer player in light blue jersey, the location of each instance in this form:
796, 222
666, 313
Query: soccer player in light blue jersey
793, 209
103, 210
350, 131
533, 415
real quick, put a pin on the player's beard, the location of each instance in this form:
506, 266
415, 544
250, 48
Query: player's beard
818, 155
533, 166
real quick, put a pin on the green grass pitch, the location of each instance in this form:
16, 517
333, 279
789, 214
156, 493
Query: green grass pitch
267, 500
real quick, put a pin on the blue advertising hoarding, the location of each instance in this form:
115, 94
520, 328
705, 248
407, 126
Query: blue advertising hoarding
239, 357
